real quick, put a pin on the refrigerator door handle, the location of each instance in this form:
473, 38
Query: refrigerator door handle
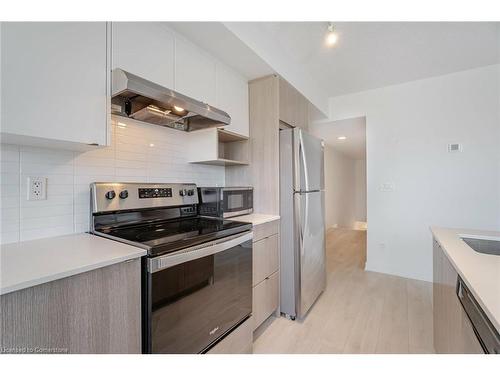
303, 161
304, 224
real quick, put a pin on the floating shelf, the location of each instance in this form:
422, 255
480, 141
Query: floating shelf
224, 162
227, 136
215, 146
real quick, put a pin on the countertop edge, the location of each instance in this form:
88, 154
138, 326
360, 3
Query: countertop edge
257, 218
69, 273
435, 232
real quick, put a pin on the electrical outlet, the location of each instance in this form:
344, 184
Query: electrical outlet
37, 188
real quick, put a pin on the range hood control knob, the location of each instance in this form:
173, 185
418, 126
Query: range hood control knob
110, 194
190, 192
182, 192
123, 194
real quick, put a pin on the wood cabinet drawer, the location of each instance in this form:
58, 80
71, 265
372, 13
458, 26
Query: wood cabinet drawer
265, 299
265, 258
237, 342
265, 230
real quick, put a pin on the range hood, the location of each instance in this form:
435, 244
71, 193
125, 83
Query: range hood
143, 100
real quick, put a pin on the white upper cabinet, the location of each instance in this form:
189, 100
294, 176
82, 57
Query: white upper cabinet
145, 49
194, 72
55, 83
232, 97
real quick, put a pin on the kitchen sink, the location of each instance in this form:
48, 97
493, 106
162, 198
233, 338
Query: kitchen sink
482, 245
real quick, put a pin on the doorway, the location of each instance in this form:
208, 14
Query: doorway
345, 179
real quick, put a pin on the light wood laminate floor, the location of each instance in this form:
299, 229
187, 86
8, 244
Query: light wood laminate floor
359, 312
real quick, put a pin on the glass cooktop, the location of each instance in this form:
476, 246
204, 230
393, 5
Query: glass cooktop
168, 236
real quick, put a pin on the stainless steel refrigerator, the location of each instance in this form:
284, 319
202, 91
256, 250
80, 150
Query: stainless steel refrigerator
302, 262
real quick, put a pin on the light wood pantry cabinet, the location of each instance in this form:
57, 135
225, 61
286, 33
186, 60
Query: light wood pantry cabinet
272, 101
293, 106
145, 49
55, 83
265, 272
453, 332
93, 312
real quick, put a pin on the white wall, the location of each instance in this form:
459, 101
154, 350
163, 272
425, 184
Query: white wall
340, 192
139, 153
360, 190
408, 128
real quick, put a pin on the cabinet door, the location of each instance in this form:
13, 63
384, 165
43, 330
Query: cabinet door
94, 312
453, 332
194, 72
265, 299
265, 258
232, 97
145, 49
55, 81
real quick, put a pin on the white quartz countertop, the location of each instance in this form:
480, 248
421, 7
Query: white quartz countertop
480, 272
30, 263
256, 219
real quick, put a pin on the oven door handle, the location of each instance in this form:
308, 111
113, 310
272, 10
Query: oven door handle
196, 252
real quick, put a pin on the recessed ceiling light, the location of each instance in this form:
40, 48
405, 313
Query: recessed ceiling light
342, 138
178, 109
151, 145
331, 36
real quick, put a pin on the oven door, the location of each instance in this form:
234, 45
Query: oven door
237, 201
198, 295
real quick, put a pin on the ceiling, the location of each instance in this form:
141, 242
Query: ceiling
354, 146
215, 38
370, 55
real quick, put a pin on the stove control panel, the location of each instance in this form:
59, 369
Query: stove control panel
155, 193
118, 196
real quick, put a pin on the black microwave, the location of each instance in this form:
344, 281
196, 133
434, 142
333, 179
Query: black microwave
225, 201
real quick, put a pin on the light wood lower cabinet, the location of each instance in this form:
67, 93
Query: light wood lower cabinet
266, 250
265, 258
453, 332
265, 299
94, 312
264, 230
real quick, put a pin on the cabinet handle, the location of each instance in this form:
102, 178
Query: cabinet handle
93, 144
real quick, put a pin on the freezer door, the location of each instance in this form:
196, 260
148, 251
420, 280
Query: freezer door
311, 228
309, 166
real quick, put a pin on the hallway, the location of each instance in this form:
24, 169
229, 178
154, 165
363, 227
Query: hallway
359, 312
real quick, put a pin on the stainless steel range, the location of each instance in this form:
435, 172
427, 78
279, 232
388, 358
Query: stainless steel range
197, 276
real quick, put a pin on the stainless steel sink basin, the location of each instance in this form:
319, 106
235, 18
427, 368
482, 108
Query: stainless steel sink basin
482, 245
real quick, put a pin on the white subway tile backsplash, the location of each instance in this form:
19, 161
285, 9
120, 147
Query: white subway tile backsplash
8, 178
138, 153
8, 237
33, 234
